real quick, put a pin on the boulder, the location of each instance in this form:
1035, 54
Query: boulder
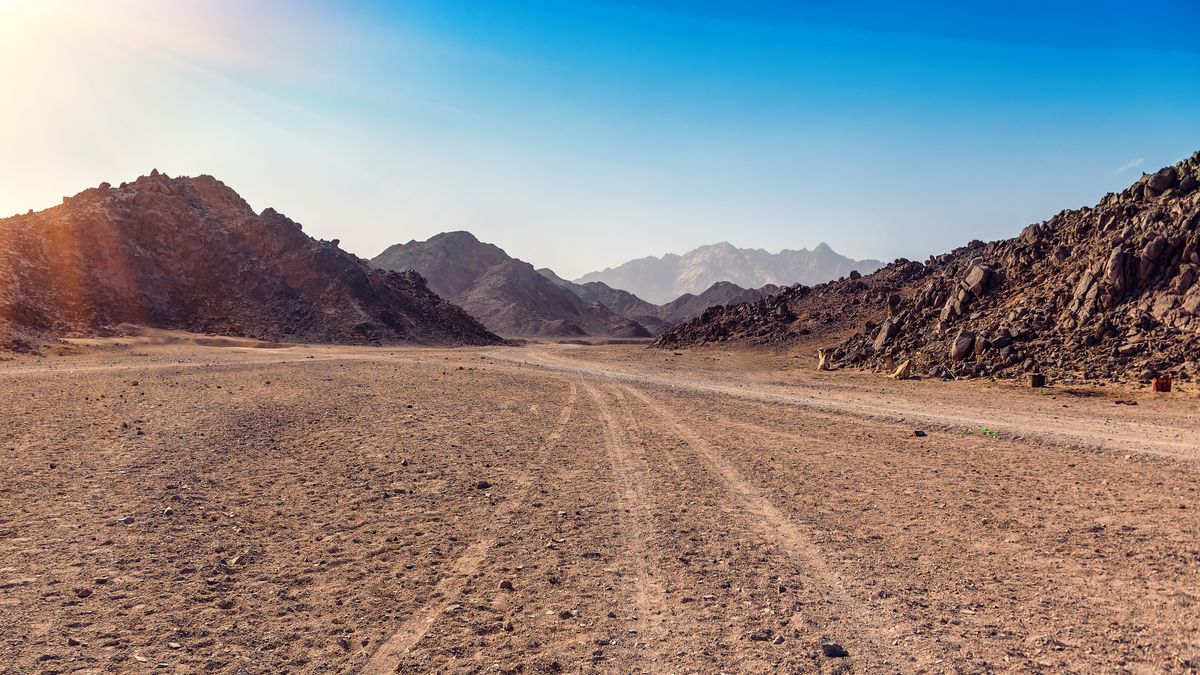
887, 330
963, 346
1117, 271
1163, 180
977, 279
823, 359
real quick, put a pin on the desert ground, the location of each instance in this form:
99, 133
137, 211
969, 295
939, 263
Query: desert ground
216, 506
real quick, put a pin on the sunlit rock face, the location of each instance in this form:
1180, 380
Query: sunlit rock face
190, 254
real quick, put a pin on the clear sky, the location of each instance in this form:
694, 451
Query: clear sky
577, 134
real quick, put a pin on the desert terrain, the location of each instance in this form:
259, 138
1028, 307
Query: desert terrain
203, 505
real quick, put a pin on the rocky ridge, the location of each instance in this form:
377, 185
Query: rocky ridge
190, 254
1099, 293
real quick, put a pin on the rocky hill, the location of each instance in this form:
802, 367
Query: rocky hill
190, 254
659, 318
621, 302
506, 294
798, 314
662, 280
1103, 292
721, 293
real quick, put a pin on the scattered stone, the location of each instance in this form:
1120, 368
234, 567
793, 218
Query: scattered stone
506, 585
83, 593
919, 434
762, 635
833, 650
823, 359
483, 485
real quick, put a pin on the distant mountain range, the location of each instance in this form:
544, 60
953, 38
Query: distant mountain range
661, 280
513, 299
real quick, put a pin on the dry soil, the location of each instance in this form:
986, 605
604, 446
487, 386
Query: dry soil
188, 508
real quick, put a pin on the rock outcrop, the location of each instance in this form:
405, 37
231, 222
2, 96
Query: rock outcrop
190, 254
1103, 292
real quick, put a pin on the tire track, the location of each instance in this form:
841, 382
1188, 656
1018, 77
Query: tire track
1042, 425
863, 629
387, 657
632, 499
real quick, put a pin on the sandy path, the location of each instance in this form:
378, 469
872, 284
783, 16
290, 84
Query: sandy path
387, 657
600, 509
1089, 423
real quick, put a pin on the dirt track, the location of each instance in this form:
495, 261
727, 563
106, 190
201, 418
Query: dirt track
334, 510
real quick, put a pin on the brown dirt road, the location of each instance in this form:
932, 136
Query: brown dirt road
176, 508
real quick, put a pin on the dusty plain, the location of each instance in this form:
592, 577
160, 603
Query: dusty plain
215, 506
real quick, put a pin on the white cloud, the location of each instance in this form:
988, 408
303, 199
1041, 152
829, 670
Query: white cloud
1132, 164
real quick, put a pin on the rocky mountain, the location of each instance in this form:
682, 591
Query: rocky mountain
1103, 292
190, 254
622, 302
507, 295
721, 293
661, 280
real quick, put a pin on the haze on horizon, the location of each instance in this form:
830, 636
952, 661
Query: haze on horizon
578, 135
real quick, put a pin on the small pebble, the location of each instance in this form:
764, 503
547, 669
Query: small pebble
833, 650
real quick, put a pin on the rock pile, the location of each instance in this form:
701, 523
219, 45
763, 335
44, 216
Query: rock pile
1109, 292
824, 313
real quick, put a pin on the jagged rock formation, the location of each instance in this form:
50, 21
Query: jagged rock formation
1107, 292
190, 254
662, 280
507, 295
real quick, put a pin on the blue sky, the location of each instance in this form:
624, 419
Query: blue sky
579, 134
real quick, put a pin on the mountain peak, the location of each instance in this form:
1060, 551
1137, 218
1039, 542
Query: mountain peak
663, 279
188, 253
506, 294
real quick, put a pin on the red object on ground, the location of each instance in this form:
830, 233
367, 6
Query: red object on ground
1162, 384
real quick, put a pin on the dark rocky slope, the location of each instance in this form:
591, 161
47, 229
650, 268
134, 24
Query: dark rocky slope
190, 254
508, 295
621, 302
1104, 292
